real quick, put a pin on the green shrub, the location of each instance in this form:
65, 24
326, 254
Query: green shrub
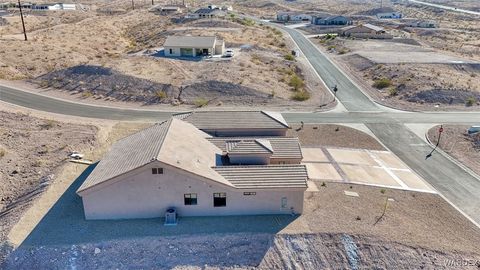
247, 22
392, 91
161, 94
301, 95
200, 102
296, 82
382, 83
470, 101
289, 57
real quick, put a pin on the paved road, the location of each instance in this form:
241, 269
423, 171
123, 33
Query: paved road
456, 185
446, 7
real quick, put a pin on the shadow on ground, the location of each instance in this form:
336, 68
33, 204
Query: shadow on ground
64, 227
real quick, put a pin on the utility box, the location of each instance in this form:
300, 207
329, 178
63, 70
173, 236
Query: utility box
171, 217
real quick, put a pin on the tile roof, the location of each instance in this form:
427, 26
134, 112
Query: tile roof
265, 177
190, 42
257, 146
283, 147
206, 120
209, 11
374, 27
172, 142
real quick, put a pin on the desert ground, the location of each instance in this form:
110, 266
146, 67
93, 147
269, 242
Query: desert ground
114, 55
456, 142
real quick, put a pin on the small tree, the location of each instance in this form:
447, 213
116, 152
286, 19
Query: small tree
470, 101
382, 83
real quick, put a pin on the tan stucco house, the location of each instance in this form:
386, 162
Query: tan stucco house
193, 46
174, 164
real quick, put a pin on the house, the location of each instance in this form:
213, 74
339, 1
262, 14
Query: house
166, 9
238, 123
422, 24
227, 8
366, 31
389, 15
61, 6
293, 17
193, 46
332, 20
173, 164
208, 13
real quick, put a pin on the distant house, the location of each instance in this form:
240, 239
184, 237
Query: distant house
366, 31
208, 13
227, 8
293, 17
166, 9
332, 20
193, 46
61, 6
422, 24
174, 165
389, 15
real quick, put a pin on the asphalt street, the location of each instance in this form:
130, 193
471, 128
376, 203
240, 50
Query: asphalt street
445, 7
455, 184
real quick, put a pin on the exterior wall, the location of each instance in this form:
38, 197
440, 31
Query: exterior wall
300, 17
373, 36
246, 132
140, 194
275, 161
389, 15
219, 47
337, 21
175, 51
249, 159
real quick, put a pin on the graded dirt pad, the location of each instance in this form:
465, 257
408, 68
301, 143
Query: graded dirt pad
336, 231
456, 142
312, 135
31, 153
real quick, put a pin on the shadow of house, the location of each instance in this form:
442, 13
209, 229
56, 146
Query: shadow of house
64, 227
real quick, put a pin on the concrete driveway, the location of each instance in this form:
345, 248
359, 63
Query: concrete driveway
360, 166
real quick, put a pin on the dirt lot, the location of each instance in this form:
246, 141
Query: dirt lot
456, 142
418, 230
125, 65
32, 151
333, 135
431, 81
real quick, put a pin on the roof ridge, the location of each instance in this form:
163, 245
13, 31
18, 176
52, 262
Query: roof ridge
274, 116
169, 123
267, 147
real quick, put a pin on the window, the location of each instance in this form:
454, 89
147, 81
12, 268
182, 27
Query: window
190, 198
157, 170
171, 51
249, 193
284, 202
219, 199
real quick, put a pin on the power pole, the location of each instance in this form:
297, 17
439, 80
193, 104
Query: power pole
23, 23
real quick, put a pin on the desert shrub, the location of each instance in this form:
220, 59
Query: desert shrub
247, 22
382, 83
392, 91
289, 57
200, 102
3, 152
301, 95
296, 82
48, 125
470, 101
342, 51
331, 47
161, 94
282, 45
87, 94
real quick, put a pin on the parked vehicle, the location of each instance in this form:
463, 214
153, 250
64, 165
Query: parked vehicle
76, 155
229, 53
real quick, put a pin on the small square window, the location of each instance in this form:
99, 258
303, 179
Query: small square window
190, 198
249, 193
219, 199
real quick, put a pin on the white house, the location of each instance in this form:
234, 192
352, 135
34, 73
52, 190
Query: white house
193, 46
174, 165
288, 16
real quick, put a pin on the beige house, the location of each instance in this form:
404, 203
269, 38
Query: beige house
366, 31
173, 164
193, 46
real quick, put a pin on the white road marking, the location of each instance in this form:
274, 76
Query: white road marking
387, 169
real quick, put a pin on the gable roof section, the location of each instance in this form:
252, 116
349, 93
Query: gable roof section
258, 146
190, 42
374, 27
219, 120
172, 142
265, 177
209, 11
283, 147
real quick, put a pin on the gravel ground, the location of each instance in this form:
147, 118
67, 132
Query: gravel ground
456, 142
333, 135
31, 153
336, 231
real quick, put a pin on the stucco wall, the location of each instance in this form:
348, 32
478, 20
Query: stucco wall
249, 159
246, 132
140, 194
175, 51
